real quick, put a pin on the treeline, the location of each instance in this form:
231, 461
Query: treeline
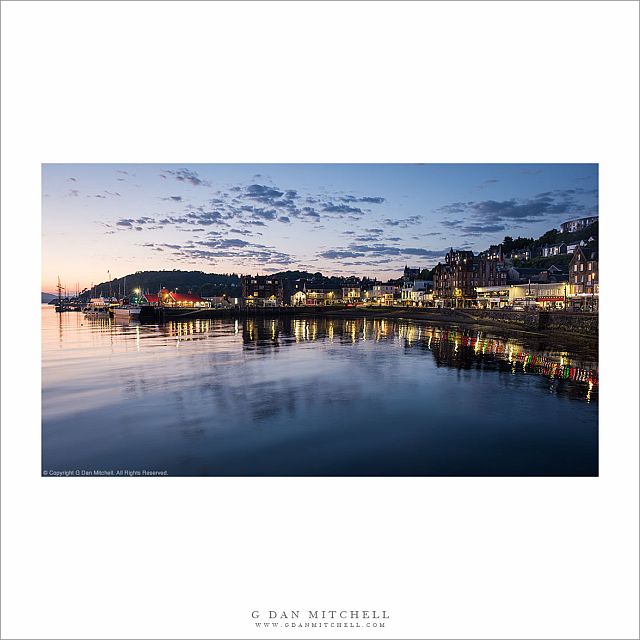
204, 284
200, 283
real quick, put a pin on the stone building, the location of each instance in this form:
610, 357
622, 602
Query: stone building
584, 285
571, 226
262, 291
455, 282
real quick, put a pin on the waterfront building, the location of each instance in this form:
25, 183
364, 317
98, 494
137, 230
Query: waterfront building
220, 302
316, 296
493, 297
546, 295
540, 295
384, 294
571, 226
414, 293
262, 291
584, 284
174, 299
351, 294
299, 298
455, 282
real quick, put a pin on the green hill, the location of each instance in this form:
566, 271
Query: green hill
205, 284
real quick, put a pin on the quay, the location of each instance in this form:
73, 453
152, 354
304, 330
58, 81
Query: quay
582, 324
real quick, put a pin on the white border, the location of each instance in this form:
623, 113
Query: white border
322, 82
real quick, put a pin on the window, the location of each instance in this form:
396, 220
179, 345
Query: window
575, 267
582, 266
589, 266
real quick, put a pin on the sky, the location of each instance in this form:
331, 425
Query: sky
343, 219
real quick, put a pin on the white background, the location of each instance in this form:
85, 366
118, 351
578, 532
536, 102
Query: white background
321, 82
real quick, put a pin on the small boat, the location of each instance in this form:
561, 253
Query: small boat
98, 307
126, 312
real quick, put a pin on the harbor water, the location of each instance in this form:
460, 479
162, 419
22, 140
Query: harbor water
312, 396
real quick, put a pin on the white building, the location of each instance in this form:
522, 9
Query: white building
414, 293
383, 293
553, 249
571, 226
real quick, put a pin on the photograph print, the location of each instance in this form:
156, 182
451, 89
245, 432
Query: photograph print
319, 320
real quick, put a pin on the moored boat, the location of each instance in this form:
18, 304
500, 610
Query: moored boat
126, 312
98, 307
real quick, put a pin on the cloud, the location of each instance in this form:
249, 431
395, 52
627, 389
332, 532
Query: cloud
71, 179
487, 216
284, 219
369, 199
371, 238
187, 175
174, 198
478, 229
234, 249
334, 254
128, 223
379, 250
255, 223
262, 193
403, 223
330, 207
486, 183
73, 193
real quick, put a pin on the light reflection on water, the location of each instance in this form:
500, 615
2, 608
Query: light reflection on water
313, 396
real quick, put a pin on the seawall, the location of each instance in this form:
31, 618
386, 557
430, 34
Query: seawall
580, 324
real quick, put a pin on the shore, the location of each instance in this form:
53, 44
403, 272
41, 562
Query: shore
579, 328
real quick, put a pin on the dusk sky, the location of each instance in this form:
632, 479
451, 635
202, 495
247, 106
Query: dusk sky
361, 219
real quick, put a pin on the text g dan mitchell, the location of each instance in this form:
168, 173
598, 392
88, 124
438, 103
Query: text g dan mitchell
330, 614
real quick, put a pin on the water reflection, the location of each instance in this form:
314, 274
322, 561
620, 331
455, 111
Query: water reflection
463, 349
314, 396
454, 348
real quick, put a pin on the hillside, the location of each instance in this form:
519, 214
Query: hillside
47, 297
205, 284
550, 237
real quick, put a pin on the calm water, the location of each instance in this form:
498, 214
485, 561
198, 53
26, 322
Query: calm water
312, 396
